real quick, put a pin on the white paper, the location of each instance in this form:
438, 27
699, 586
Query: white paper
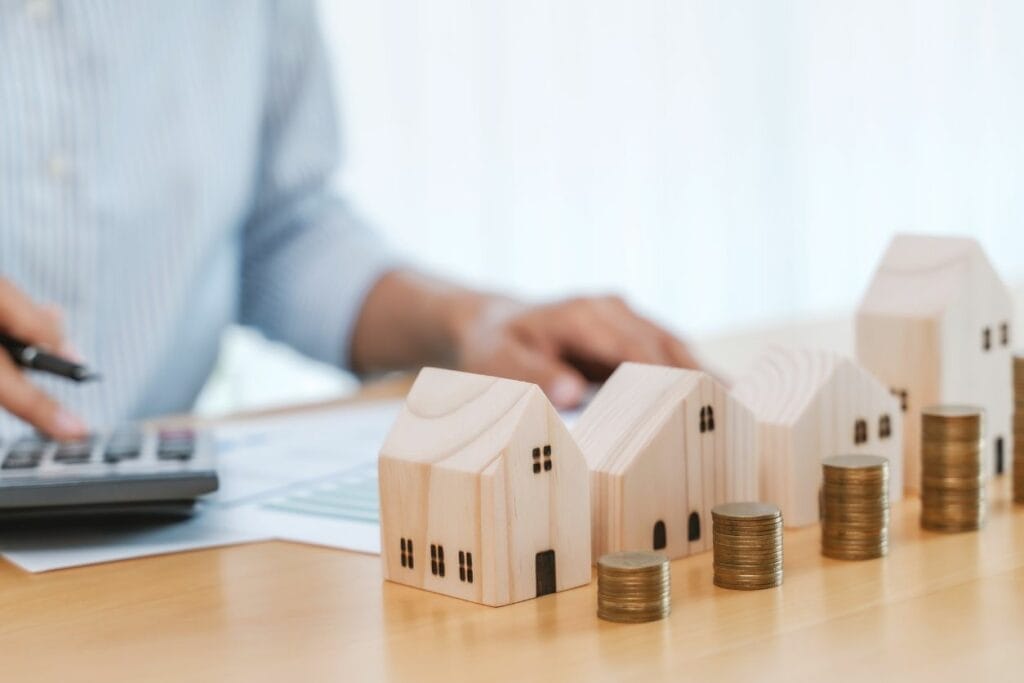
41, 550
308, 477
264, 465
256, 459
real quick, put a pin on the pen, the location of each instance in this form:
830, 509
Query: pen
34, 358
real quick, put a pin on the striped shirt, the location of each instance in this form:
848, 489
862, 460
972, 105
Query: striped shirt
165, 170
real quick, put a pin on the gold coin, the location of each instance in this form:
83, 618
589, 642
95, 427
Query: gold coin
752, 511
855, 462
632, 561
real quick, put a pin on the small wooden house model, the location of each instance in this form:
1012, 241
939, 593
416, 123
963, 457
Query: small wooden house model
483, 492
664, 446
936, 326
811, 405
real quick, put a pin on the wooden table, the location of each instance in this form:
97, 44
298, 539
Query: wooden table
938, 608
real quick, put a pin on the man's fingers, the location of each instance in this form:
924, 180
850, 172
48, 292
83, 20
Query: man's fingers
21, 318
25, 400
680, 352
563, 385
559, 380
599, 330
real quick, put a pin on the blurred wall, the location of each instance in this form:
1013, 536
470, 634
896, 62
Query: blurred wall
717, 162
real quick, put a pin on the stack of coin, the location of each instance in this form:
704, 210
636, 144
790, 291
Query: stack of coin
633, 587
748, 545
952, 469
855, 507
1018, 429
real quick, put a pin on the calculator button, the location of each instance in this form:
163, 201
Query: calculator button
21, 461
74, 452
174, 453
177, 435
123, 446
176, 444
29, 445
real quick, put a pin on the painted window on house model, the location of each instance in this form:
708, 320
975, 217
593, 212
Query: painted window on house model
406, 553
860, 432
538, 463
437, 560
884, 427
707, 419
466, 566
986, 339
902, 395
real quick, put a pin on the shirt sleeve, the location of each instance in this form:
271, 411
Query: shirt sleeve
308, 261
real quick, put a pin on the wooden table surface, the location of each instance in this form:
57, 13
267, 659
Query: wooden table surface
939, 607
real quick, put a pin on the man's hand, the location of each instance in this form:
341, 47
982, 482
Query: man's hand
563, 345
409, 320
40, 326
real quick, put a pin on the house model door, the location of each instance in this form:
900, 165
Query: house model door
545, 568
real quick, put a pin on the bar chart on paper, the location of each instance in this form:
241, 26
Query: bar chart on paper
352, 497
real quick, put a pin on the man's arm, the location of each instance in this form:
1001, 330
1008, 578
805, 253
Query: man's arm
307, 260
409, 320
315, 277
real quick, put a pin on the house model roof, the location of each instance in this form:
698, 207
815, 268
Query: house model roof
633, 405
920, 276
784, 382
458, 420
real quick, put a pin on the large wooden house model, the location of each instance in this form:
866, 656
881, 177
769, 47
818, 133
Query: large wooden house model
810, 405
484, 493
664, 446
936, 325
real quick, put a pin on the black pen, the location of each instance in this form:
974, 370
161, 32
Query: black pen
34, 358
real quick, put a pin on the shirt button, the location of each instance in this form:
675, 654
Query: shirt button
59, 167
40, 10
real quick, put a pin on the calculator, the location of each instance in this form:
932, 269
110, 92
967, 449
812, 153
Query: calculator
129, 471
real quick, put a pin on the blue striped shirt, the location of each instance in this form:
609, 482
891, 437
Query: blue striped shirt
165, 170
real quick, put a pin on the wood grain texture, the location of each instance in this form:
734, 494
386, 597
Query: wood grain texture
477, 477
808, 405
663, 445
937, 323
939, 608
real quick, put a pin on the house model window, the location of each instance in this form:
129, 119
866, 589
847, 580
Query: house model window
1004, 334
884, 427
466, 566
901, 394
406, 547
437, 560
537, 463
707, 419
986, 339
860, 432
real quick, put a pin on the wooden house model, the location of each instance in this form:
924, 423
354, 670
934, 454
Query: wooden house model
936, 326
810, 405
664, 446
484, 493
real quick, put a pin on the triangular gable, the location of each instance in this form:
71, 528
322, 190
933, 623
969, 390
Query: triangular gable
921, 276
458, 420
784, 383
629, 411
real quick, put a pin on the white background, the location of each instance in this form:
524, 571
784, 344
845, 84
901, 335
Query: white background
719, 163
715, 161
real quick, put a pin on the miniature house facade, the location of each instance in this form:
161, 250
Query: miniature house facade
483, 491
810, 405
936, 326
664, 446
